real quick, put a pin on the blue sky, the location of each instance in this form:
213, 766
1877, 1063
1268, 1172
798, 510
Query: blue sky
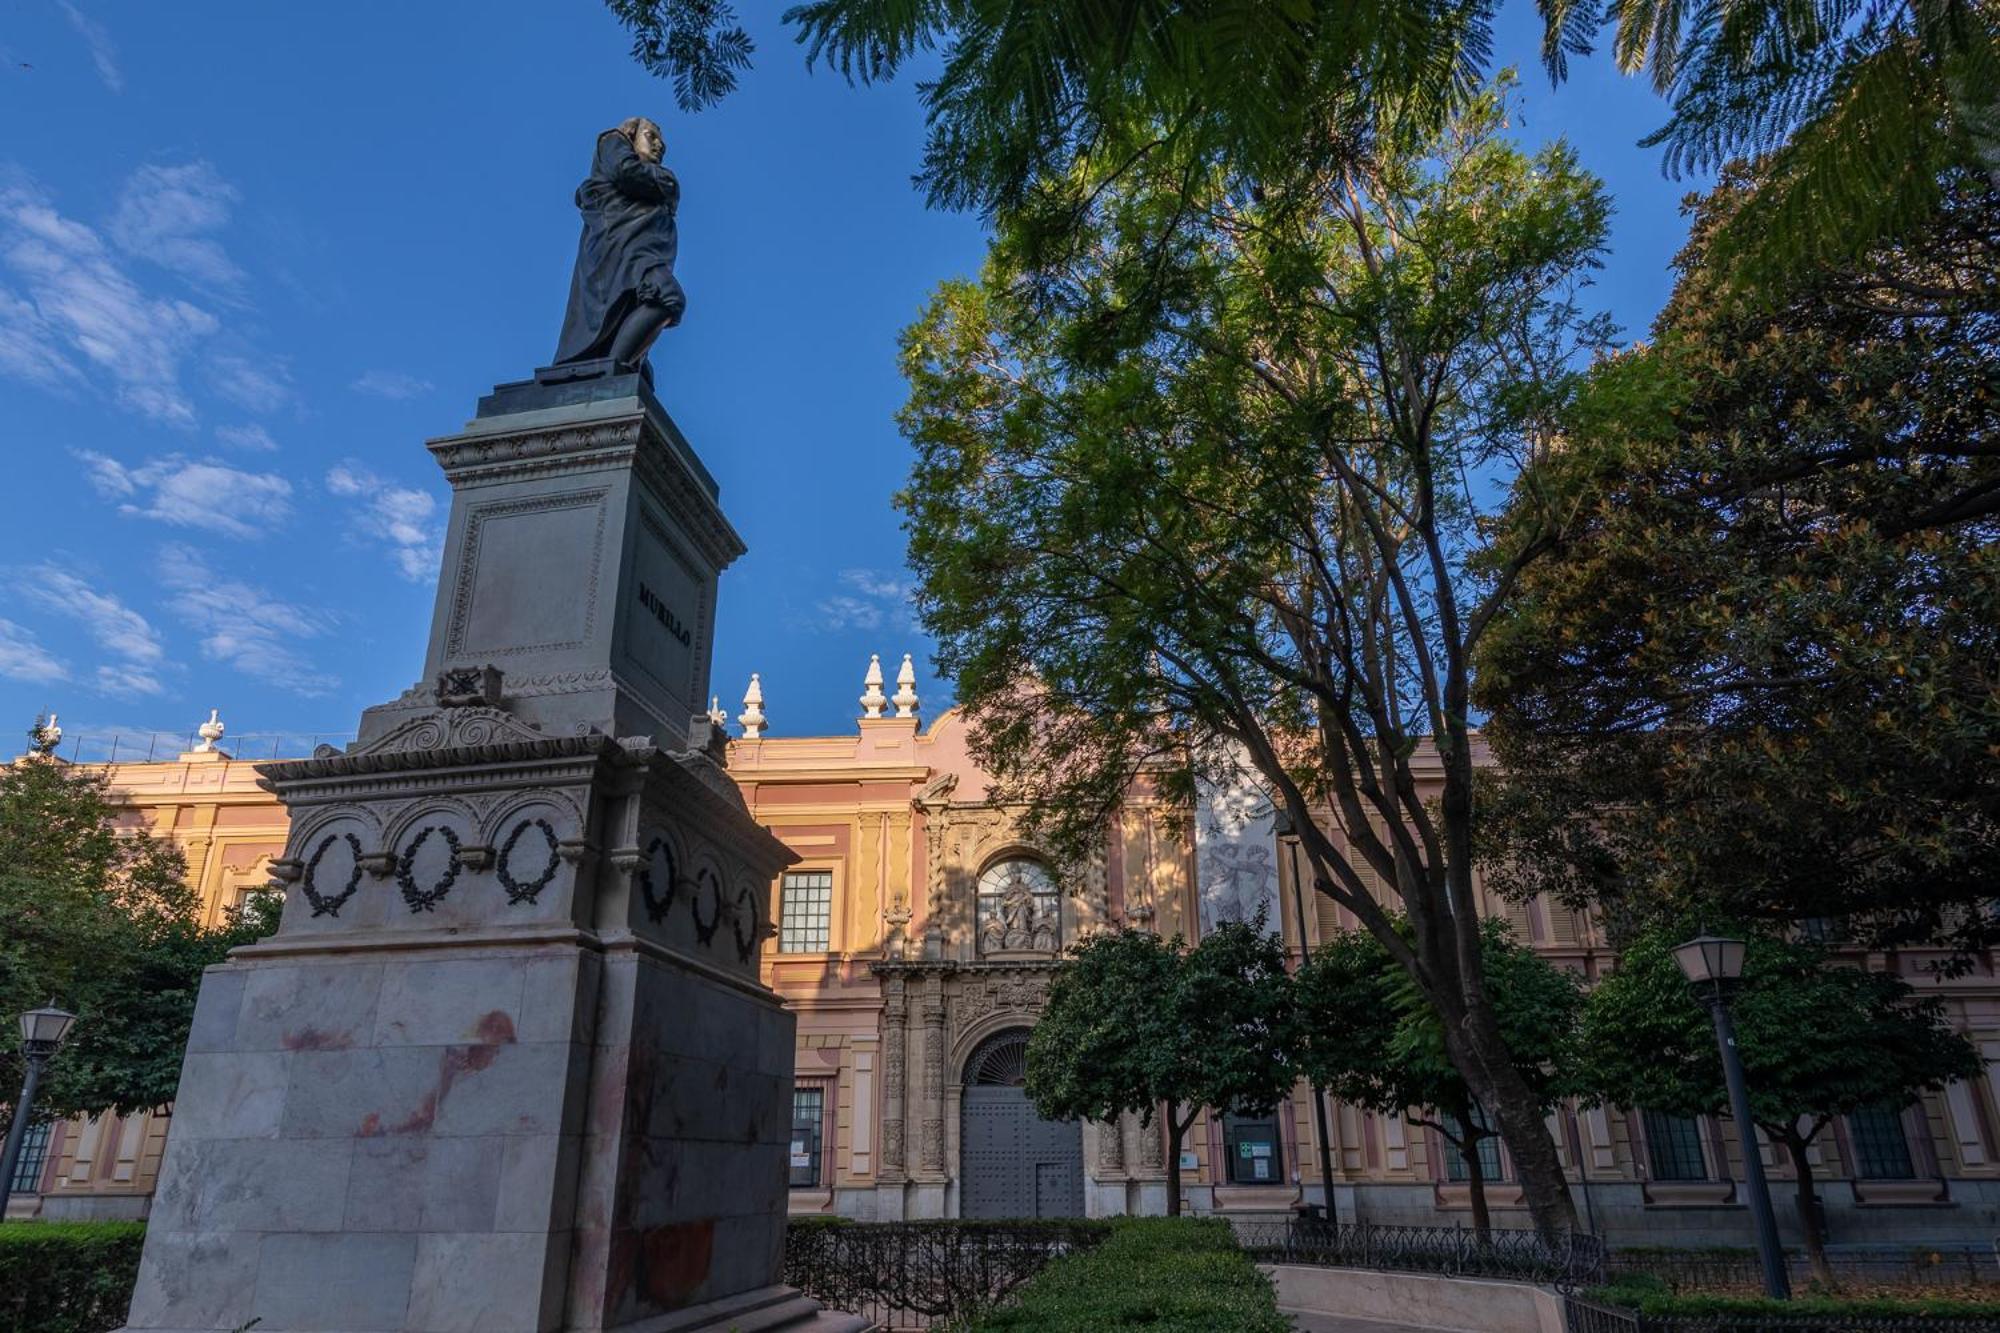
253, 255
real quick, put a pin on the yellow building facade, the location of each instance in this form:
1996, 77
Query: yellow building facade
915, 938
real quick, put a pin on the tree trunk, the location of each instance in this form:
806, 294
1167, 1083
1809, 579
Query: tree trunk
1173, 1162
1482, 1059
1475, 1180
1811, 1224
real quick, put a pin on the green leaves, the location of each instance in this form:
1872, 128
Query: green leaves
1134, 1021
100, 919
1817, 1039
1368, 1036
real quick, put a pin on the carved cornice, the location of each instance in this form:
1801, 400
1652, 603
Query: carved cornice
633, 441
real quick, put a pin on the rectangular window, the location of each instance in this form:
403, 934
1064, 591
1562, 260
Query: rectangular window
1673, 1147
34, 1154
1881, 1150
1455, 1167
1256, 1157
808, 1119
805, 919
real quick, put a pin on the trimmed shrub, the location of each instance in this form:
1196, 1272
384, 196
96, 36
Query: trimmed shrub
67, 1277
1650, 1296
1161, 1274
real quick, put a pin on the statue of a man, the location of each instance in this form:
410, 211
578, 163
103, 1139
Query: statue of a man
624, 291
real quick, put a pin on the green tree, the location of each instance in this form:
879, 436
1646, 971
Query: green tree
1231, 497
1768, 642
100, 918
1136, 1023
1860, 114
1818, 1040
1369, 1038
1031, 93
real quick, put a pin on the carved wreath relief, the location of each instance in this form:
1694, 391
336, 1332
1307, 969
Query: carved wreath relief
329, 904
519, 891
420, 898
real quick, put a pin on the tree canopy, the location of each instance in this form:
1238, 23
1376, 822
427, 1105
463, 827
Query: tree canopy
1817, 1040
1141, 1024
1172, 505
100, 919
1769, 640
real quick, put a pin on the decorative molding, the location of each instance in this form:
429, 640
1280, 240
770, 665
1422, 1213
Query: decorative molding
704, 931
468, 567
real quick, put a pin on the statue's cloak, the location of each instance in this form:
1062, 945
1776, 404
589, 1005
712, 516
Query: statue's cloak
627, 251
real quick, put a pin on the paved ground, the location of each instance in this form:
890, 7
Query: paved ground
1327, 1323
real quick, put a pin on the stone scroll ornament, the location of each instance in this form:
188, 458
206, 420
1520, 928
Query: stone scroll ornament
518, 892
324, 904
424, 899
658, 903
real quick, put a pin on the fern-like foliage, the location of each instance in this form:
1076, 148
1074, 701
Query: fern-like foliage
696, 43
1855, 109
1031, 89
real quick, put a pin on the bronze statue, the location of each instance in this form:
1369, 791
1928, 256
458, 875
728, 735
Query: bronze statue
623, 291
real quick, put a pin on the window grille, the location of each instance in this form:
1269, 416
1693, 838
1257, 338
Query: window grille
1489, 1149
808, 1121
1673, 1147
1881, 1149
34, 1154
805, 923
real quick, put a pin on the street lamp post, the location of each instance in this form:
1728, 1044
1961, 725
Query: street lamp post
42, 1033
1713, 966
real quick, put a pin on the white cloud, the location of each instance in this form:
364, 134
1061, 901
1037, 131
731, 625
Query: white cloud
125, 681
242, 624
870, 599
249, 385
102, 53
78, 308
22, 656
390, 384
402, 517
115, 627
252, 437
192, 493
166, 215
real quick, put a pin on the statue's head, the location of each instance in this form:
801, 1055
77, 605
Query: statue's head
645, 137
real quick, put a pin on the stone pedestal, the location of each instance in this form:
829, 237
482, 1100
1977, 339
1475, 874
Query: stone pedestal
507, 1065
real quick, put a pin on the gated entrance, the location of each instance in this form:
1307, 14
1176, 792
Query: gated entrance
1013, 1162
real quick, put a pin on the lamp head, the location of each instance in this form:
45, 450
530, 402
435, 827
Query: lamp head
43, 1030
1711, 961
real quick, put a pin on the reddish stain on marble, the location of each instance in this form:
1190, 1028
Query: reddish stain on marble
312, 1039
371, 1126
495, 1029
419, 1120
675, 1261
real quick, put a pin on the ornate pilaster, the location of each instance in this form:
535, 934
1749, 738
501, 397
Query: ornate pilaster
932, 1145
894, 1047
1152, 1146
1111, 1148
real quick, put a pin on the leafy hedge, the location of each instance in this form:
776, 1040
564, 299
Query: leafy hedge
1161, 1274
1650, 1296
67, 1277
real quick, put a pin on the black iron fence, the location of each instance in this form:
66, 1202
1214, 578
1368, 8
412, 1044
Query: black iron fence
1898, 1266
1571, 1261
1586, 1316
920, 1275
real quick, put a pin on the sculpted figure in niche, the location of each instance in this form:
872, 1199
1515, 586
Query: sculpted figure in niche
623, 291
1019, 909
